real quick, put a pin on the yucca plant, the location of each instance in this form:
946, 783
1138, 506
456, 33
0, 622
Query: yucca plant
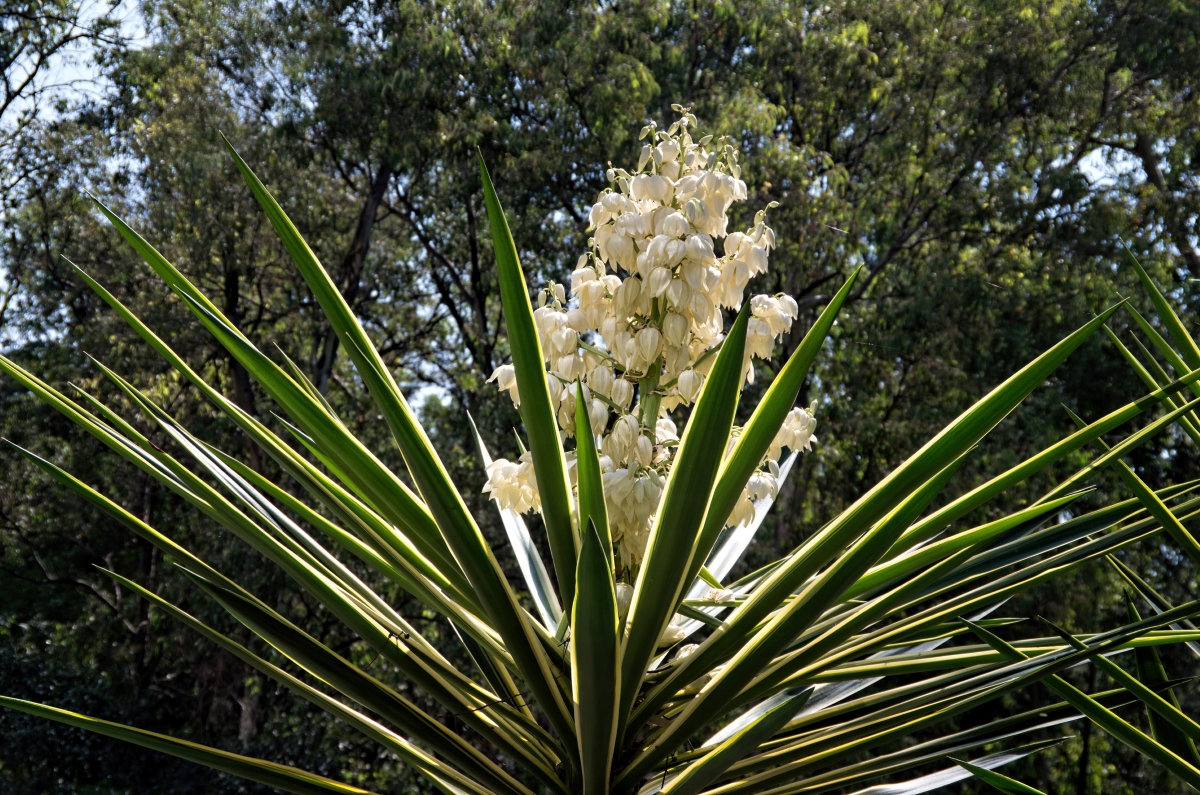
640, 665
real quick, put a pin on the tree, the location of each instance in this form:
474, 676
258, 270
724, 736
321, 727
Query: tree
952, 149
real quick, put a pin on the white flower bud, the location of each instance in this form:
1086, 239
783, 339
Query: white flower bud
575, 365
624, 592
689, 384
648, 340
678, 293
665, 430
601, 379
675, 328
597, 416
675, 225
732, 243
699, 249
505, 377
622, 393
660, 279
644, 450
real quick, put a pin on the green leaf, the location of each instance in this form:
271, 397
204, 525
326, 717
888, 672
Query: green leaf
1152, 674
350, 457
288, 779
595, 672
478, 708
1100, 715
591, 481
685, 499
1179, 728
1122, 448
878, 726
454, 523
444, 502
529, 560
377, 697
960, 507
1152, 380
976, 537
1187, 346
764, 424
1157, 603
699, 774
819, 550
1003, 783
370, 527
537, 411
1144, 493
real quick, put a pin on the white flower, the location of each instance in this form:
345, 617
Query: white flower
674, 632
700, 249
624, 597
721, 595
689, 384
512, 484
763, 485
643, 450
675, 225
796, 433
632, 500
622, 393
648, 341
658, 281
650, 292
505, 377
600, 380
569, 367
598, 413
675, 328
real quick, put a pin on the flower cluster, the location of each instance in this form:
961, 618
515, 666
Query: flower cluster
642, 319
796, 433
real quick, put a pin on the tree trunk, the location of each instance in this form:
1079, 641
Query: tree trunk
352, 268
243, 390
1154, 175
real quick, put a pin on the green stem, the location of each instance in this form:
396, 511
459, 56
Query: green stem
649, 398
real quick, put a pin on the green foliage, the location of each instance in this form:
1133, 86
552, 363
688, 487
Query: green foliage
963, 174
